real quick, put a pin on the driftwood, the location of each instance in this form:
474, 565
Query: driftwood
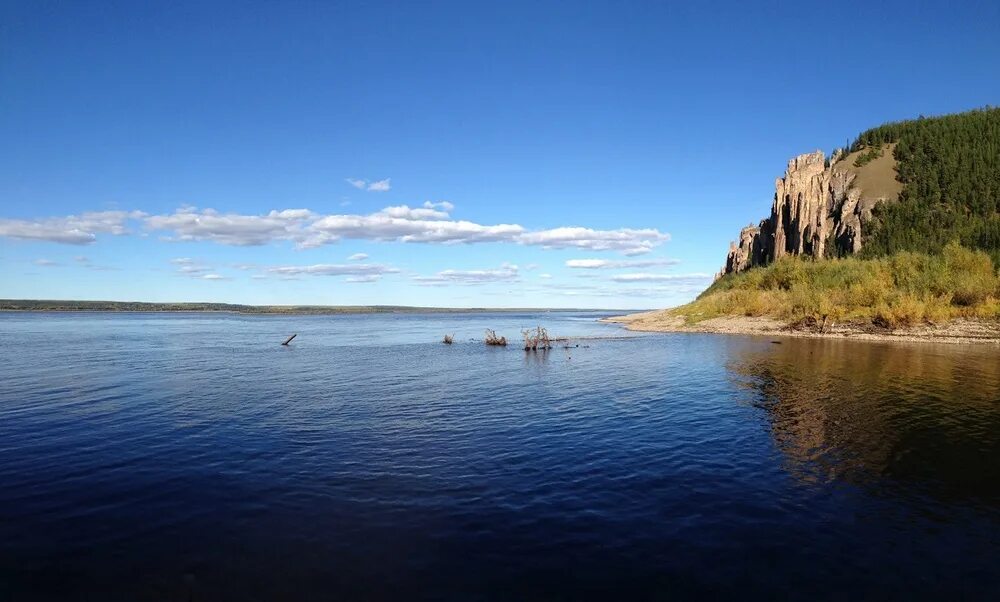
289, 339
449, 339
493, 339
536, 339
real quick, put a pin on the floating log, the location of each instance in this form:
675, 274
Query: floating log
289, 339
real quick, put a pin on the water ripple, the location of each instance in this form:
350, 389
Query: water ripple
173, 456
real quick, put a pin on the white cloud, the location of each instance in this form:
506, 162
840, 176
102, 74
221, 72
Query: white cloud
187, 224
363, 279
597, 264
84, 261
376, 186
430, 223
405, 224
72, 230
505, 273
46, 263
414, 214
676, 289
358, 257
644, 277
442, 205
625, 240
333, 269
545, 276
187, 266
380, 186
192, 269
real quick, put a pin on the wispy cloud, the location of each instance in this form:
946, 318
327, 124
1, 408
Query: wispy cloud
193, 268
370, 272
624, 240
646, 277
611, 264
72, 229
358, 257
188, 224
85, 262
675, 290
430, 223
46, 263
505, 273
371, 186
405, 224
380, 186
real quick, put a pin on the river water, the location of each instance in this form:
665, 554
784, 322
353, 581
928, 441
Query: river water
191, 457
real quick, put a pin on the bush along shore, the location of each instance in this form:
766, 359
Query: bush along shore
951, 295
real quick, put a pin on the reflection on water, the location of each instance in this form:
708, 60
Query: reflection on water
914, 419
177, 457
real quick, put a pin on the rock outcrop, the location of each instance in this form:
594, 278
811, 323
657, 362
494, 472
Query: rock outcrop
817, 211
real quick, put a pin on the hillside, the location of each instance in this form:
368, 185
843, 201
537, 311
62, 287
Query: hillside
899, 231
908, 186
949, 168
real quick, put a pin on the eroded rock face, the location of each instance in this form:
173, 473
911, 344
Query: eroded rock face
816, 212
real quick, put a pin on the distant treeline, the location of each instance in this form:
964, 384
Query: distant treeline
110, 306
950, 170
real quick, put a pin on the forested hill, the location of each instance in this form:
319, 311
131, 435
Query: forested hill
914, 185
902, 239
949, 167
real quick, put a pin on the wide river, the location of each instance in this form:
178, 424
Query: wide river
191, 457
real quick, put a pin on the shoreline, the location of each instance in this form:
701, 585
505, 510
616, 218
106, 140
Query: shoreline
117, 307
959, 331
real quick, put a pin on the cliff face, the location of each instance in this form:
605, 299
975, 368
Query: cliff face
817, 211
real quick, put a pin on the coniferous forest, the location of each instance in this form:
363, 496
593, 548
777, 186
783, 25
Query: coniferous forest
950, 170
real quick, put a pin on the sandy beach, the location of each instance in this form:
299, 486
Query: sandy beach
955, 332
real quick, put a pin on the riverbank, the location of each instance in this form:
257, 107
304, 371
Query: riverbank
960, 331
33, 305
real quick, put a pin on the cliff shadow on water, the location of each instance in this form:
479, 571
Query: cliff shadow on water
899, 419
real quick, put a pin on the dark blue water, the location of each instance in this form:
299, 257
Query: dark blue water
190, 457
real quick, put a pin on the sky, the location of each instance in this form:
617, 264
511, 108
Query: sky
449, 154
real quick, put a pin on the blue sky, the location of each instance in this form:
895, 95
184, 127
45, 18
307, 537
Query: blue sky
558, 154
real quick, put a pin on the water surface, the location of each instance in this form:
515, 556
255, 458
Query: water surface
178, 456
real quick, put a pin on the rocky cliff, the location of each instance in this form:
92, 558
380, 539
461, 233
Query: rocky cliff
818, 210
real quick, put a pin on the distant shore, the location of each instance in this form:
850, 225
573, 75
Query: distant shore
31, 305
954, 332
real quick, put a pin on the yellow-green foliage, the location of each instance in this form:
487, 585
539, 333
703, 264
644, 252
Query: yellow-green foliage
899, 290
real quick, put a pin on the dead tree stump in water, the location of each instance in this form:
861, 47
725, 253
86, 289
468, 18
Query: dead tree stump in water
536, 339
493, 339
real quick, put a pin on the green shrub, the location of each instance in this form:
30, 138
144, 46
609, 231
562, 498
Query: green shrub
868, 156
903, 289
